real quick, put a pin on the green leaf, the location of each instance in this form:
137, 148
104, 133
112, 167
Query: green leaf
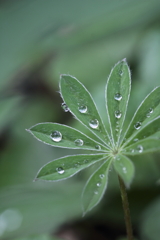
95, 187
68, 166
125, 168
144, 146
82, 106
63, 136
147, 131
148, 110
117, 95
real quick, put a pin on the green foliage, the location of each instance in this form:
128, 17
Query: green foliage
112, 148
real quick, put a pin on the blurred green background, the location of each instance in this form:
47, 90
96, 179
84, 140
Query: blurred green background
39, 40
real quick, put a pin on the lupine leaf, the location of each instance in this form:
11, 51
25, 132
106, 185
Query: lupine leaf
82, 106
147, 131
66, 167
117, 96
64, 136
143, 146
95, 187
148, 110
125, 168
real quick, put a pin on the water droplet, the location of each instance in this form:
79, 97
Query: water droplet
118, 114
124, 169
82, 109
65, 107
101, 176
137, 125
140, 148
78, 142
132, 150
135, 140
118, 97
98, 147
60, 170
151, 110
120, 72
98, 184
56, 136
95, 192
94, 123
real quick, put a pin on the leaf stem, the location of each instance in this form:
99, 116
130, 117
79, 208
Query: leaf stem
126, 209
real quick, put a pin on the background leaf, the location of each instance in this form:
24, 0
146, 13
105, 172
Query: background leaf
125, 168
65, 167
95, 187
82, 106
117, 96
59, 135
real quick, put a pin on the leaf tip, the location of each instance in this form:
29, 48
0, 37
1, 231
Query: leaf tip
124, 60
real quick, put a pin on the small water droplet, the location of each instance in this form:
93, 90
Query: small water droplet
118, 97
132, 150
95, 192
65, 107
124, 169
101, 176
120, 72
137, 125
151, 110
98, 184
135, 140
56, 136
60, 170
98, 147
82, 109
94, 123
140, 148
78, 142
118, 114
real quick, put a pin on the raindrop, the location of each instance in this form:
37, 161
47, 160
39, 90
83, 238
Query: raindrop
135, 140
98, 184
82, 109
65, 107
98, 147
94, 123
78, 142
140, 148
118, 114
120, 72
101, 176
151, 110
137, 125
95, 192
124, 169
60, 170
118, 97
56, 136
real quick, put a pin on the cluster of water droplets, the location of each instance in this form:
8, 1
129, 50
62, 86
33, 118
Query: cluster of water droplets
65, 107
98, 184
139, 149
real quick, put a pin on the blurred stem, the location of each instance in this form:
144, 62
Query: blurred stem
126, 209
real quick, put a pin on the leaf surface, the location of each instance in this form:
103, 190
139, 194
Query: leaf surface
117, 95
95, 187
125, 168
82, 106
59, 135
66, 167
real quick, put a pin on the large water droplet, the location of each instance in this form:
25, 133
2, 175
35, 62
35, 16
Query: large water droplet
60, 170
137, 125
82, 109
98, 147
140, 148
94, 123
118, 114
65, 107
56, 136
78, 142
98, 184
118, 97
101, 176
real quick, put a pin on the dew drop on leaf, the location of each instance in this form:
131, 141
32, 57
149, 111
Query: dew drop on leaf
120, 72
98, 147
95, 192
98, 184
78, 142
118, 114
65, 107
60, 170
150, 111
135, 140
137, 125
82, 109
56, 136
101, 176
140, 148
124, 169
94, 123
118, 97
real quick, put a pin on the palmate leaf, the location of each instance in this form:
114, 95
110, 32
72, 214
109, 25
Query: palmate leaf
148, 110
68, 166
117, 95
82, 106
59, 135
95, 187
